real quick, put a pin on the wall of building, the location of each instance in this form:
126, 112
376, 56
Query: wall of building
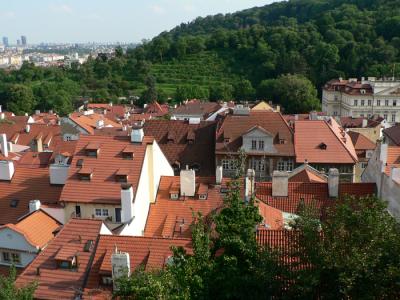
12, 241
373, 134
88, 211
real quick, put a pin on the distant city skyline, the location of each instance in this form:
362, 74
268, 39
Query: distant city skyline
74, 21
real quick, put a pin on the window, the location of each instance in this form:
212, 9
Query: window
174, 196
253, 144
335, 113
98, 212
386, 102
16, 258
260, 145
355, 102
385, 116
369, 116
258, 165
225, 164
369, 102
285, 165
393, 118
362, 115
127, 155
364, 165
362, 102
378, 102
6, 257
394, 102
105, 212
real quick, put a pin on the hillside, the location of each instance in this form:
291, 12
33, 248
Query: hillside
236, 56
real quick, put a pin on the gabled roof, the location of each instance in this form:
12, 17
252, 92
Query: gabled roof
156, 109
148, 252
37, 228
89, 122
201, 152
29, 182
315, 194
361, 142
393, 133
197, 107
103, 186
352, 122
56, 283
233, 127
307, 174
310, 134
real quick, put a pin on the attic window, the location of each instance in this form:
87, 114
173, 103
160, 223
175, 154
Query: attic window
203, 191
190, 137
128, 153
171, 137
79, 163
65, 259
14, 203
362, 91
227, 139
322, 146
88, 246
85, 173
92, 149
174, 191
282, 141
195, 167
122, 175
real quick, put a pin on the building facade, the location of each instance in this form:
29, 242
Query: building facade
362, 98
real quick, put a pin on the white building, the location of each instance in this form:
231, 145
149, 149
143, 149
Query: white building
365, 98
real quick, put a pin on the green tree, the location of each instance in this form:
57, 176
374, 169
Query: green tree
20, 99
243, 90
9, 291
221, 92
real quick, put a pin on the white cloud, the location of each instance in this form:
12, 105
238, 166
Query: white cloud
157, 9
61, 8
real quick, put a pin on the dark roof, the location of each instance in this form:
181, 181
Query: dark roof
361, 142
197, 107
173, 138
393, 133
352, 122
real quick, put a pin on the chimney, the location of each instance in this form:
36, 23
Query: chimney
10, 147
2, 116
313, 115
395, 174
37, 112
99, 124
249, 184
218, 175
27, 128
39, 144
6, 169
1, 110
3, 143
126, 203
280, 184
121, 266
296, 117
188, 182
34, 205
137, 135
333, 183
364, 123
383, 156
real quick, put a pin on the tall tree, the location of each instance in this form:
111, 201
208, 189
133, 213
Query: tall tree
20, 99
9, 291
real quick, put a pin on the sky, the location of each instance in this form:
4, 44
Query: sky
104, 20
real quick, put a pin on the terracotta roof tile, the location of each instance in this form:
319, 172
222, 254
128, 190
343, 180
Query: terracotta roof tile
197, 107
361, 142
393, 159
103, 187
56, 283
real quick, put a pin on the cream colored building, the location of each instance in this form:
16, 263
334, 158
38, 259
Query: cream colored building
362, 98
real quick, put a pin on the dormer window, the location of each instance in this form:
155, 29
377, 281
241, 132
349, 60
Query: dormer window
260, 145
171, 137
65, 260
85, 173
203, 191
92, 149
282, 141
322, 146
174, 192
227, 140
190, 137
362, 91
128, 153
122, 175
253, 145
174, 196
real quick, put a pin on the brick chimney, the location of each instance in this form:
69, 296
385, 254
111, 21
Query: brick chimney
126, 203
333, 183
280, 184
188, 182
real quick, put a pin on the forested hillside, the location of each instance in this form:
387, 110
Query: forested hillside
241, 56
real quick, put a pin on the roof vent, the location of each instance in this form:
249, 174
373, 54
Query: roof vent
322, 146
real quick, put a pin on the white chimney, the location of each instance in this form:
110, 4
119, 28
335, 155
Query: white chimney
2, 116
6, 169
280, 184
10, 146
99, 124
1, 108
126, 203
28, 128
58, 172
34, 205
137, 135
188, 182
218, 175
383, 156
249, 184
3, 144
37, 112
364, 123
333, 183
395, 174
121, 266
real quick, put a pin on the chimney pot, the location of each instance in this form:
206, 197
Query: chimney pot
333, 183
188, 182
126, 203
280, 184
218, 175
3, 143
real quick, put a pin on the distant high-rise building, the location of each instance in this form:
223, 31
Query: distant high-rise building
18, 42
5, 41
23, 40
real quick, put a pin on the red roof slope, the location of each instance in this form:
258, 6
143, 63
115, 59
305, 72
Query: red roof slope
186, 143
311, 138
103, 186
361, 142
151, 253
233, 127
56, 283
197, 107
315, 194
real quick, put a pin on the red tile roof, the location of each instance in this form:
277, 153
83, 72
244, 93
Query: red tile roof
179, 150
310, 135
352, 122
28, 183
197, 107
149, 252
393, 133
393, 158
56, 283
348, 87
315, 194
89, 122
233, 127
307, 176
361, 142
103, 186
156, 109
